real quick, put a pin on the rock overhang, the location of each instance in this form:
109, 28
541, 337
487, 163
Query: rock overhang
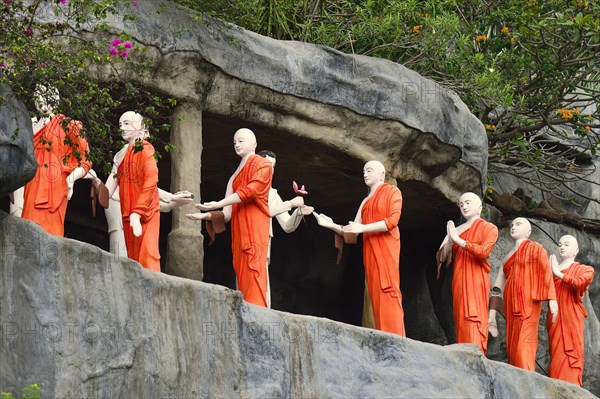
362, 107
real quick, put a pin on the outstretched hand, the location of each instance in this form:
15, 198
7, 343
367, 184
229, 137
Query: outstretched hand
306, 210
324, 220
353, 227
91, 175
198, 216
209, 206
181, 198
297, 201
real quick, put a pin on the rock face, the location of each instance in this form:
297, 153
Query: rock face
82, 323
17, 162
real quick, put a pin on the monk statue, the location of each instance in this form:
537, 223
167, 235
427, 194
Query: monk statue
571, 280
114, 220
62, 156
471, 243
279, 209
246, 204
135, 174
526, 280
377, 219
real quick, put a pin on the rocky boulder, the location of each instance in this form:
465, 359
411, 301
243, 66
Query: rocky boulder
17, 162
82, 323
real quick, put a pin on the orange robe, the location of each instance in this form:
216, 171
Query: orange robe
381, 256
138, 178
45, 197
528, 283
250, 221
566, 333
471, 283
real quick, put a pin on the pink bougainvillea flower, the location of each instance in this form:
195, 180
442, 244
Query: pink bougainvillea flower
134, 3
8, 2
2, 64
299, 191
117, 47
63, 1
28, 32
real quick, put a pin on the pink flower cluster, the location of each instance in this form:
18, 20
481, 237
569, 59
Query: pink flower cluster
119, 48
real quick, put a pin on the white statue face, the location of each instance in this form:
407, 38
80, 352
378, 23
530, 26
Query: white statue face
373, 173
470, 205
244, 142
567, 247
520, 228
132, 127
46, 99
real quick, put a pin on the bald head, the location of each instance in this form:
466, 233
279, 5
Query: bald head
373, 173
568, 247
470, 205
245, 133
520, 229
244, 142
376, 165
569, 238
472, 197
132, 127
46, 99
136, 119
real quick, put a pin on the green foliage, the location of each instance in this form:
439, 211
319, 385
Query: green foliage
61, 54
517, 64
514, 63
32, 391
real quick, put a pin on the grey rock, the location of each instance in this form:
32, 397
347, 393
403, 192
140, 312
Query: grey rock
17, 161
82, 323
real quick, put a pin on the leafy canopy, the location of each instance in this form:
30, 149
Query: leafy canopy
527, 69
65, 56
